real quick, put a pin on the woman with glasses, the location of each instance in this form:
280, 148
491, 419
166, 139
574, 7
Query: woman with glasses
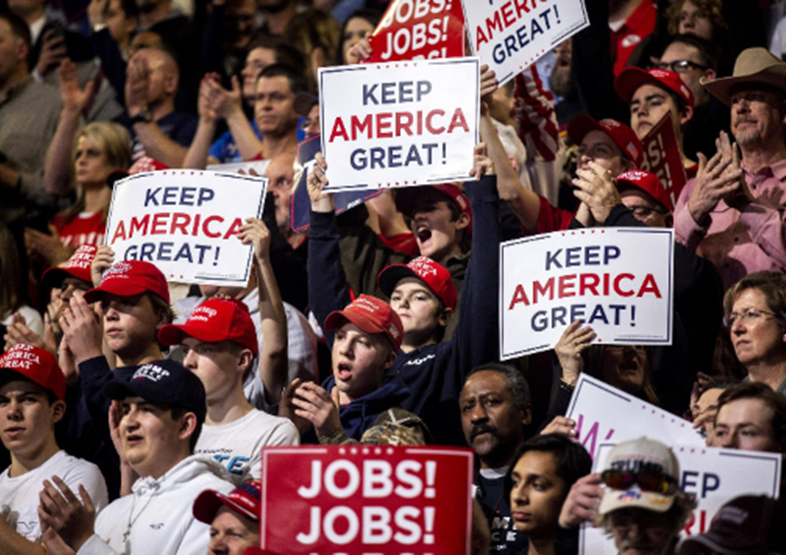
537, 484
755, 309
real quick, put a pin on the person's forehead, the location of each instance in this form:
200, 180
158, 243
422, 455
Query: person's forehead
487, 381
649, 90
262, 54
76, 282
410, 284
351, 329
710, 396
634, 193
108, 298
680, 51
279, 170
227, 518
279, 83
13, 385
772, 93
749, 410
598, 137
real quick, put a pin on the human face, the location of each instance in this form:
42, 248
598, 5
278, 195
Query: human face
232, 533
218, 365
745, 424
693, 21
436, 233
537, 494
281, 178
359, 361
239, 23
501, 107
311, 124
649, 105
690, 75
623, 367
130, 324
12, 53
641, 532
257, 60
757, 340
757, 116
645, 208
493, 425
118, 23
598, 147
705, 407
419, 310
151, 438
90, 163
26, 418
356, 28
274, 109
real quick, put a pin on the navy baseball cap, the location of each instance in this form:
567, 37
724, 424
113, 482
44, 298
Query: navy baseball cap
162, 382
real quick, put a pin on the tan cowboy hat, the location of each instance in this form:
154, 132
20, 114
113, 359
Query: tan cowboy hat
754, 65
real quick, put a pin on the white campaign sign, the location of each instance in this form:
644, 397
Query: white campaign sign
618, 280
185, 222
399, 124
714, 476
604, 413
509, 35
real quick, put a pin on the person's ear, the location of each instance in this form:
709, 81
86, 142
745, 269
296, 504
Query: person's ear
526, 416
687, 115
188, 425
463, 221
710, 74
58, 410
444, 318
245, 359
669, 220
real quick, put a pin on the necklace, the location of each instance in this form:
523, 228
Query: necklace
132, 519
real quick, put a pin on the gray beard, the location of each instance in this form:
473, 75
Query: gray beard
561, 82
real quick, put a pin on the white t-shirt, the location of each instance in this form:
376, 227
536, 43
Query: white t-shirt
237, 446
19, 495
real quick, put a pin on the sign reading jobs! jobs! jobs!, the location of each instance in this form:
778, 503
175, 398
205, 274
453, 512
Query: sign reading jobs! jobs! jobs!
399, 124
186, 223
618, 280
366, 500
509, 35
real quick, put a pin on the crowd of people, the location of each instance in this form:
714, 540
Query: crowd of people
134, 411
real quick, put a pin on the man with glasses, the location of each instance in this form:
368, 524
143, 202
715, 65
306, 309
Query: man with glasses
693, 60
641, 505
732, 212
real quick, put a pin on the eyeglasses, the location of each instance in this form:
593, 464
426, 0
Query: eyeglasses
647, 481
680, 66
748, 315
645, 211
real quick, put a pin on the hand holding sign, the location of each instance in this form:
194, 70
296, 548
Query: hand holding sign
104, 258
360, 52
596, 188
573, 342
317, 181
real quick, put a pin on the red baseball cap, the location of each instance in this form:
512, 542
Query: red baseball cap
244, 499
215, 320
128, 278
647, 182
371, 315
37, 365
433, 274
78, 266
632, 78
622, 135
405, 199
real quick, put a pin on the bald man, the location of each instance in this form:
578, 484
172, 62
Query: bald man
159, 131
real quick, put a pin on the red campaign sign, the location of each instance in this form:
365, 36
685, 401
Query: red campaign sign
419, 29
662, 157
366, 499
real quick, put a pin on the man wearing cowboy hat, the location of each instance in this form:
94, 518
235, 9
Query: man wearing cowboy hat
730, 213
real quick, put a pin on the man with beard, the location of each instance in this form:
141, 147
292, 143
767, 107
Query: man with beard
566, 101
732, 212
495, 411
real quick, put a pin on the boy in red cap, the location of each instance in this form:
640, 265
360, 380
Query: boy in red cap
368, 336
422, 293
652, 95
32, 392
233, 518
219, 342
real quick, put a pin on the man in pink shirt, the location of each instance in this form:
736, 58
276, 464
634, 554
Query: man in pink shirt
732, 212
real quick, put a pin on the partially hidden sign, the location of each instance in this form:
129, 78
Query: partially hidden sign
366, 499
185, 222
662, 157
605, 414
399, 124
713, 476
509, 35
419, 29
300, 202
618, 280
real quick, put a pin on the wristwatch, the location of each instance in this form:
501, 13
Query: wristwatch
145, 116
